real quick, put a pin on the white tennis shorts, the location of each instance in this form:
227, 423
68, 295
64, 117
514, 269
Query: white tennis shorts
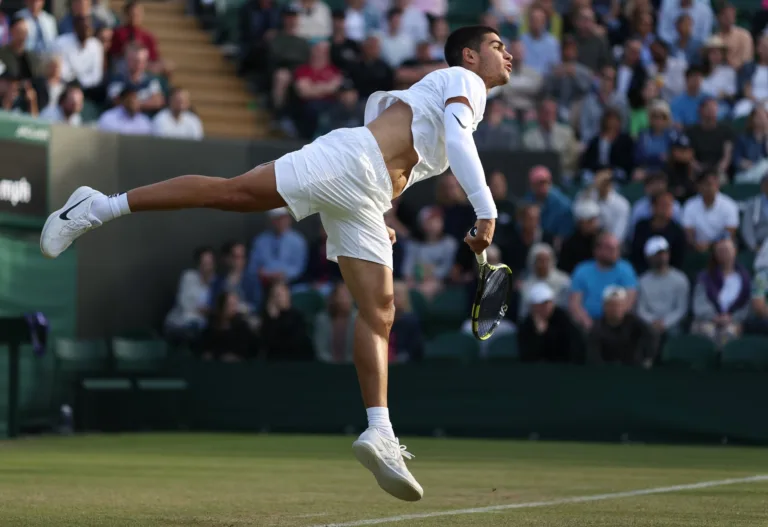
342, 176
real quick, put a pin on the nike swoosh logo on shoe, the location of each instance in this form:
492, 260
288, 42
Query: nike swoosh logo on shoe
458, 121
64, 216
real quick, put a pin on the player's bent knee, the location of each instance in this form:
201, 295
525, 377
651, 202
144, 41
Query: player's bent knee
379, 314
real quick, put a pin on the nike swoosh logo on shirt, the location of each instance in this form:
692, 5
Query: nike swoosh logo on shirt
458, 121
64, 216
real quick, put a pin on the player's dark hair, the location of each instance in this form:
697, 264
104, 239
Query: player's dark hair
465, 37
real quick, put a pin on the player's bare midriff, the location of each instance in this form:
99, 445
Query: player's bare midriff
392, 130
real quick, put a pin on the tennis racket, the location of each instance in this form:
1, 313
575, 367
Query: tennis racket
490, 303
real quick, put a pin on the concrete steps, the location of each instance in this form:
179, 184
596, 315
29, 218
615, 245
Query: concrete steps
219, 96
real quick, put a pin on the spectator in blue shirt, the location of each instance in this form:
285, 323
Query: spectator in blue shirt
235, 279
79, 8
653, 144
685, 46
700, 13
556, 215
542, 50
279, 254
685, 107
752, 145
591, 278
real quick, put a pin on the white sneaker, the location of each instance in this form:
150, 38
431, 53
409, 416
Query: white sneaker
384, 458
69, 222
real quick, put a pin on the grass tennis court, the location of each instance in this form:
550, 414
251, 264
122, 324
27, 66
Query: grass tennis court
310, 481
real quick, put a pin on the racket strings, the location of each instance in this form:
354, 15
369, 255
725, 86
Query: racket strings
493, 301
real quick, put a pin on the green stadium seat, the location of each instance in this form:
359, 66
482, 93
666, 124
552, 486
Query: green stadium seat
309, 302
749, 352
689, 351
452, 346
503, 347
694, 263
139, 355
418, 303
72, 359
633, 191
91, 112
747, 259
81, 355
741, 191
447, 311
739, 125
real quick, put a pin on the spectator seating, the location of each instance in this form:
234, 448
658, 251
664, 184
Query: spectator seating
742, 191
465, 12
419, 303
749, 352
503, 347
310, 303
633, 191
689, 351
139, 355
219, 97
452, 346
447, 310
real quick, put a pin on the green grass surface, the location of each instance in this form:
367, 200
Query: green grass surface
300, 481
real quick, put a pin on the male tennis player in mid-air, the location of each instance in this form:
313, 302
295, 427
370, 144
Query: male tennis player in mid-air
350, 176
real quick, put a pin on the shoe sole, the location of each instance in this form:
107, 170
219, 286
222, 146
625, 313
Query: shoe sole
76, 196
388, 480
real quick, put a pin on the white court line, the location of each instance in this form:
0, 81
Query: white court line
550, 503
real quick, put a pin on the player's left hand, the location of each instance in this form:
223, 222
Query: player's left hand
392, 235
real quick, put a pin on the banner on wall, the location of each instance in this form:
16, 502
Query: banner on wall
24, 174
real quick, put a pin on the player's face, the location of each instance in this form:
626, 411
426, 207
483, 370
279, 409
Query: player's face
495, 61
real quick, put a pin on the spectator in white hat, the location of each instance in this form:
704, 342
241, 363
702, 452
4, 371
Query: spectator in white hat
619, 337
280, 253
578, 247
663, 292
541, 268
546, 333
661, 223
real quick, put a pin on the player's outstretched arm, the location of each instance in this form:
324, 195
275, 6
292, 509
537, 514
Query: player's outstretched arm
466, 166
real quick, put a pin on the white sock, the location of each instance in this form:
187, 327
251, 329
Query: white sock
106, 208
378, 418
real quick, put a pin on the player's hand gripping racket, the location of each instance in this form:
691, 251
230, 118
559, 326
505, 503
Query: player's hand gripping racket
490, 303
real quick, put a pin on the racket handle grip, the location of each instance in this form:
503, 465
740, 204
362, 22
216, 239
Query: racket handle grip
482, 258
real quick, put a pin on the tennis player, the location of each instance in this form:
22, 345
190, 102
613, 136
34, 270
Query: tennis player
350, 176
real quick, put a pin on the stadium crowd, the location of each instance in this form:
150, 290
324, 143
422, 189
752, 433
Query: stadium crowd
88, 68
653, 107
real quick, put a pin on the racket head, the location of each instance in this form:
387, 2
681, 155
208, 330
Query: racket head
491, 299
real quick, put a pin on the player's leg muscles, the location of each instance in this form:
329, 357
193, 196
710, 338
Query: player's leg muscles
254, 191
372, 288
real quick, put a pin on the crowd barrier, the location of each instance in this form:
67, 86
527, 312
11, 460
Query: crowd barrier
491, 399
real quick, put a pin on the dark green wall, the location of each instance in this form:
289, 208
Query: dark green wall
489, 399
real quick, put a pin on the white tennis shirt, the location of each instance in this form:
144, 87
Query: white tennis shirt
427, 101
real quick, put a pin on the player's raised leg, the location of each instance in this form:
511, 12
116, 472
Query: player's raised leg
377, 448
86, 209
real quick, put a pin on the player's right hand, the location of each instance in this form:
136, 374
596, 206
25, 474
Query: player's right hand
483, 237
